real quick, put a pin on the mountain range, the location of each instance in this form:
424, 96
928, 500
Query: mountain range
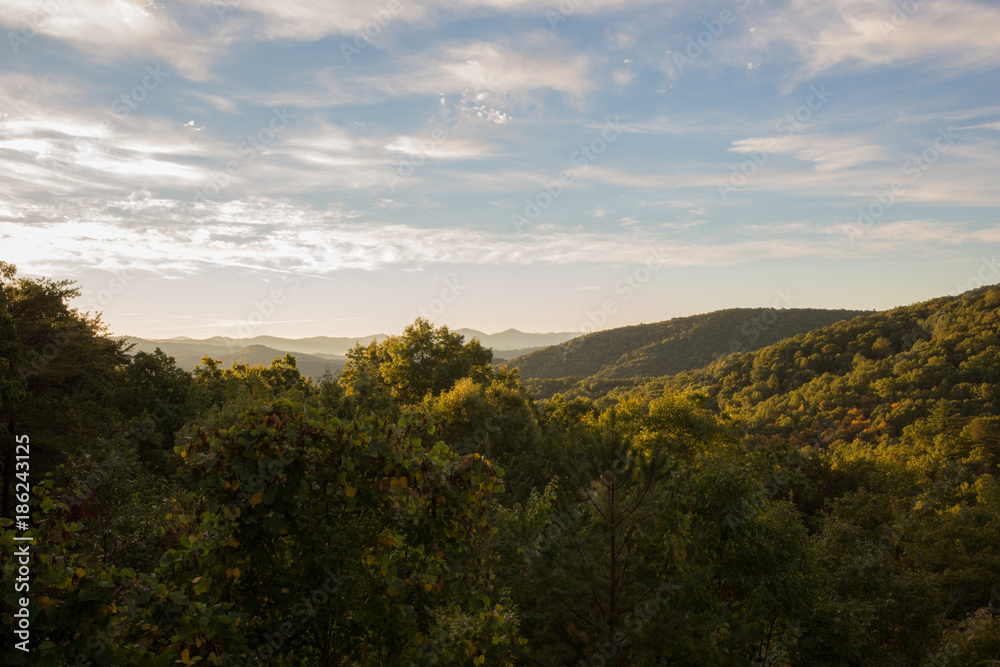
317, 354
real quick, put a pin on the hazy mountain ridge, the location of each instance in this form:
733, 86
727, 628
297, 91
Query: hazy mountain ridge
317, 353
307, 364
187, 356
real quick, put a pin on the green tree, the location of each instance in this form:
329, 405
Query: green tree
397, 527
423, 360
496, 419
64, 365
670, 549
155, 394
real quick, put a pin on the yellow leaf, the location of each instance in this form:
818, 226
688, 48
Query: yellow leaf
256, 499
196, 580
428, 587
80, 572
350, 491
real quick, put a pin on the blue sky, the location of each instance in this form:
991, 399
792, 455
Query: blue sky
307, 168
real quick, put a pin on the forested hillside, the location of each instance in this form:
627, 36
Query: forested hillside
664, 348
875, 379
827, 500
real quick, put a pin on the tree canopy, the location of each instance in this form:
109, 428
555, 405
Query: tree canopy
828, 499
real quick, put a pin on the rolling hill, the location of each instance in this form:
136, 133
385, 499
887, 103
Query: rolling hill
307, 364
679, 344
916, 379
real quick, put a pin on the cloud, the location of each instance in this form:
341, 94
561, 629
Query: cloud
107, 30
537, 62
426, 147
50, 145
310, 20
828, 34
885, 237
48, 150
171, 237
620, 78
826, 152
990, 126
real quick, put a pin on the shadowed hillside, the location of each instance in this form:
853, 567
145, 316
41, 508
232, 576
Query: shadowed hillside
665, 348
920, 377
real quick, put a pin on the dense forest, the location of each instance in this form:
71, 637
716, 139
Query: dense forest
680, 344
827, 496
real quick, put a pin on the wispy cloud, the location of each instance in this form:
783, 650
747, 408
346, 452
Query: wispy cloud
172, 237
828, 34
108, 30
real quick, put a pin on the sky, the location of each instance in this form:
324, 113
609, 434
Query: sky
304, 168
